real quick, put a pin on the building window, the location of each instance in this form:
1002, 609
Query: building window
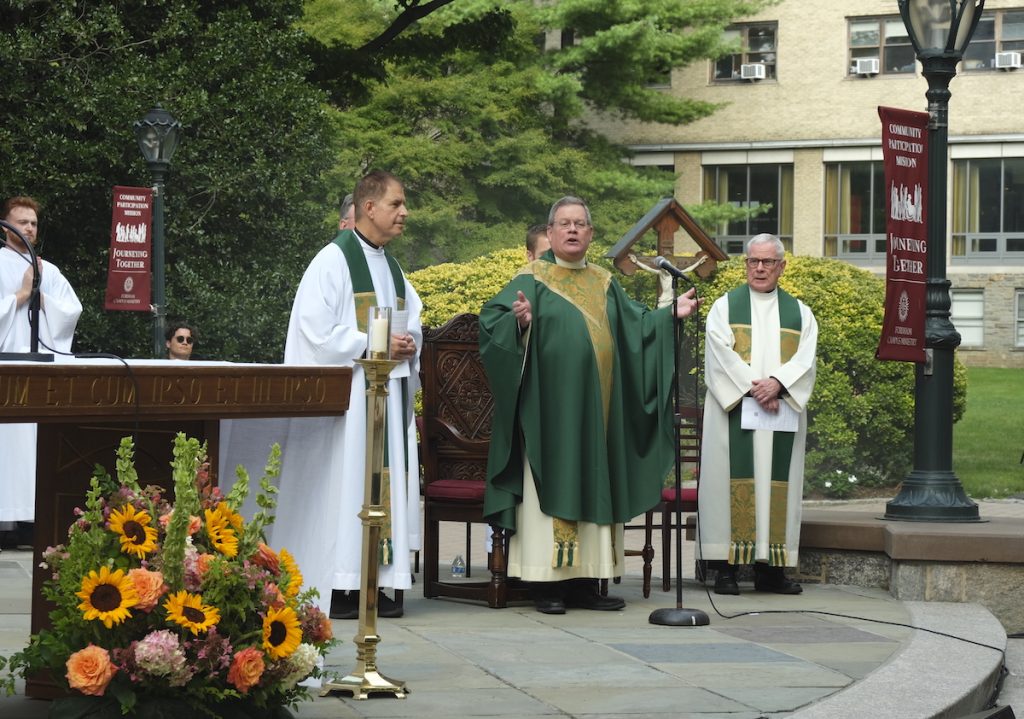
988, 209
757, 47
967, 314
884, 39
997, 31
765, 191
1019, 315
855, 211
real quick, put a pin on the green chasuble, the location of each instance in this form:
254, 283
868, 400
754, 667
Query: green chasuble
590, 395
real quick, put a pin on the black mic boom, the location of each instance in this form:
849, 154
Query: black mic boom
663, 264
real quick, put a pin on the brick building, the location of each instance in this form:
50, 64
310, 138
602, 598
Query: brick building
799, 130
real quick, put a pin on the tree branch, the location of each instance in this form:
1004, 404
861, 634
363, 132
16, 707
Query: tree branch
411, 14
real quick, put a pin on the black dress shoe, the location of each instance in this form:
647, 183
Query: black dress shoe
584, 595
388, 608
344, 604
725, 582
550, 605
774, 580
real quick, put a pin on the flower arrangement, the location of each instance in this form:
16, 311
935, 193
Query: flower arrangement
176, 605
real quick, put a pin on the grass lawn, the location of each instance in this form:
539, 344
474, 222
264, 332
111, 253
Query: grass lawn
989, 440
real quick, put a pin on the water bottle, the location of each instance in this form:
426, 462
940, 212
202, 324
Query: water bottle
458, 567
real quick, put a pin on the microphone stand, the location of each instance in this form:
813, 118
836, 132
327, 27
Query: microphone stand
33, 355
678, 616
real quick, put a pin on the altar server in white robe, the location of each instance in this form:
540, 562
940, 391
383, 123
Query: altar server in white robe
760, 349
323, 465
59, 312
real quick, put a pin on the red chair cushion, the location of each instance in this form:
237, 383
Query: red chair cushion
458, 490
668, 494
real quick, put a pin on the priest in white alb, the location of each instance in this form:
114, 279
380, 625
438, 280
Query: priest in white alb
324, 459
760, 346
59, 312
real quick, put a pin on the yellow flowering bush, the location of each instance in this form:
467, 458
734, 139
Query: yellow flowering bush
168, 607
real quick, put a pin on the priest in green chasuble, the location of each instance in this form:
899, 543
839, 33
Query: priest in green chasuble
759, 364
582, 436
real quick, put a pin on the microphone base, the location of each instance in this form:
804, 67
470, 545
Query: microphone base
26, 357
678, 617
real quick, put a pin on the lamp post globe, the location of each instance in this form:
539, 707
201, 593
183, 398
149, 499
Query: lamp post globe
158, 134
940, 31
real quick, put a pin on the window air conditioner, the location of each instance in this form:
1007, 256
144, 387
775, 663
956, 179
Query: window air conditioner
866, 66
1007, 60
753, 71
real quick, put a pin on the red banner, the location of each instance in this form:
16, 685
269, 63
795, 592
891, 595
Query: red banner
128, 275
905, 151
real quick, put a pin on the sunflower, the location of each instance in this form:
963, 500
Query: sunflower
107, 596
291, 568
137, 537
221, 525
187, 610
281, 632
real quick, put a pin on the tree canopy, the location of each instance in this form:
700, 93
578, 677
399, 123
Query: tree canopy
477, 104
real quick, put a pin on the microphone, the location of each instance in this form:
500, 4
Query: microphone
33, 355
663, 264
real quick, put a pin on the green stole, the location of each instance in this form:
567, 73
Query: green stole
365, 298
741, 441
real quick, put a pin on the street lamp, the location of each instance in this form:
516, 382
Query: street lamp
158, 134
939, 31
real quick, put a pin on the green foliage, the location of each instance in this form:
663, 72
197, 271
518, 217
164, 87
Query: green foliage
244, 195
487, 128
450, 288
861, 415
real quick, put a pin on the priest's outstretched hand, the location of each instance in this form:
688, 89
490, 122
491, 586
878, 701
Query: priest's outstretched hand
686, 303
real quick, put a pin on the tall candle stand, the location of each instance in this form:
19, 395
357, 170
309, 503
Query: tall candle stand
365, 680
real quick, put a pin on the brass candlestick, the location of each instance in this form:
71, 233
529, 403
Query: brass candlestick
365, 679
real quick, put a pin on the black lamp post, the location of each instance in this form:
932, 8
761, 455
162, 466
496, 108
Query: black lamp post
940, 31
158, 134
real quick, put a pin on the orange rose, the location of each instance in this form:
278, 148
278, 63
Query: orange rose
90, 670
203, 562
267, 558
149, 586
194, 522
246, 669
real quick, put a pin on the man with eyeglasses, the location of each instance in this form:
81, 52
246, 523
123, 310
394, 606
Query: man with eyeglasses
759, 364
582, 435
180, 341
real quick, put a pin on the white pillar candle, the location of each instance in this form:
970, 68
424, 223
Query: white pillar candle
379, 335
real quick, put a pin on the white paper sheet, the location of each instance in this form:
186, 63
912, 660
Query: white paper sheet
755, 417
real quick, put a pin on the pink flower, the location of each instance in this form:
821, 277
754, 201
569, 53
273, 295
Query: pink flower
160, 654
90, 670
246, 669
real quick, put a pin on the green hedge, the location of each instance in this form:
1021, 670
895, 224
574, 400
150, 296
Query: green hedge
860, 430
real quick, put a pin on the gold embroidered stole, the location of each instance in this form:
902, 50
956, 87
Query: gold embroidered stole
587, 290
742, 495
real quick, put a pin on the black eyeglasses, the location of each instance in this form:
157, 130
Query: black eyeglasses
768, 263
183, 338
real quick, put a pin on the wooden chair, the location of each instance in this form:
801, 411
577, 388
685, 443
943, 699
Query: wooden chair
456, 430
689, 457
